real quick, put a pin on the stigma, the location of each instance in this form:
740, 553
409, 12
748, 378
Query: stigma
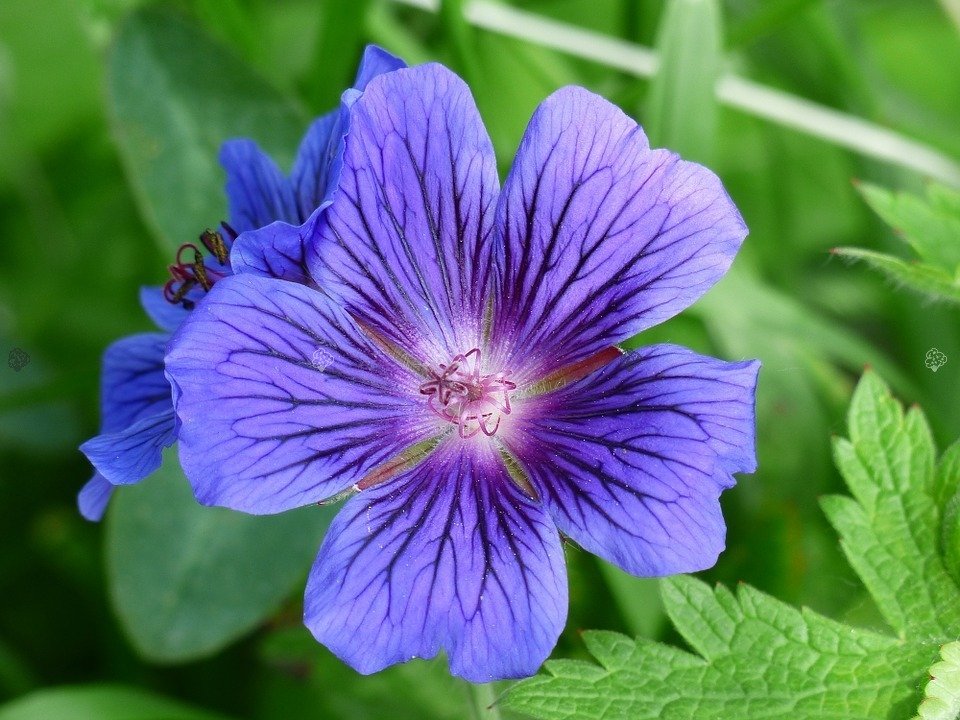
461, 394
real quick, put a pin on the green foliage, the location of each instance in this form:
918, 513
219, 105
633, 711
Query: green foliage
111, 115
305, 677
931, 226
756, 657
889, 529
104, 702
942, 694
175, 95
187, 580
682, 107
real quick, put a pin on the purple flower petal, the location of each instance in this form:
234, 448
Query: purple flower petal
283, 401
314, 172
406, 243
132, 385
375, 61
603, 237
94, 496
631, 460
317, 167
129, 455
257, 192
448, 556
137, 416
164, 314
278, 250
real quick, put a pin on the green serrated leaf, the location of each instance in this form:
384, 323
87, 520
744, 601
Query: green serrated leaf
891, 534
186, 580
99, 702
951, 537
175, 94
942, 694
930, 225
947, 481
925, 279
758, 658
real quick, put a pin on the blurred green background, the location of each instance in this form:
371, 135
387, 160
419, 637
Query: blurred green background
111, 113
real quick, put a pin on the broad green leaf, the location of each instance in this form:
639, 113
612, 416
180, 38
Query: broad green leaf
919, 277
175, 95
516, 78
186, 580
302, 674
337, 49
942, 695
755, 657
930, 225
682, 107
638, 600
99, 702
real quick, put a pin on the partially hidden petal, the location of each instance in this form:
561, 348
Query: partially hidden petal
448, 556
131, 454
602, 236
375, 61
283, 401
132, 383
165, 314
316, 168
278, 250
631, 460
93, 498
257, 192
406, 242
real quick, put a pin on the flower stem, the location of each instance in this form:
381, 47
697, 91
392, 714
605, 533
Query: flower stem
839, 128
952, 8
484, 697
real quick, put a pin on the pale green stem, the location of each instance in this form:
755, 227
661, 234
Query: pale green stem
839, 128
484, 698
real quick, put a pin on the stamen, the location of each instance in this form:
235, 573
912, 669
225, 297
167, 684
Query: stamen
215, 244
461, 394
190, 270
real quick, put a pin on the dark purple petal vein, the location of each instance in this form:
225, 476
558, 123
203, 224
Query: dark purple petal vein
406, 243
447, 556
602, 237
631, 460
283, 401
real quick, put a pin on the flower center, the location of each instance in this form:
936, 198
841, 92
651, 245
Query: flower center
461, 394
189, 269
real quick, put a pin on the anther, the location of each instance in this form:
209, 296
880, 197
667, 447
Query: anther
189, 269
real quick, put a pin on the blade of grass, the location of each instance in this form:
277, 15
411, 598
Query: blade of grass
848, 131
682, 109
952, 8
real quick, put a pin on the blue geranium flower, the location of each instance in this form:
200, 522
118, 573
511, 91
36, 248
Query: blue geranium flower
137, 417
459, 376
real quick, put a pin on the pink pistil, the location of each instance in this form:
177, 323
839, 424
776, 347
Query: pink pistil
461, 394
